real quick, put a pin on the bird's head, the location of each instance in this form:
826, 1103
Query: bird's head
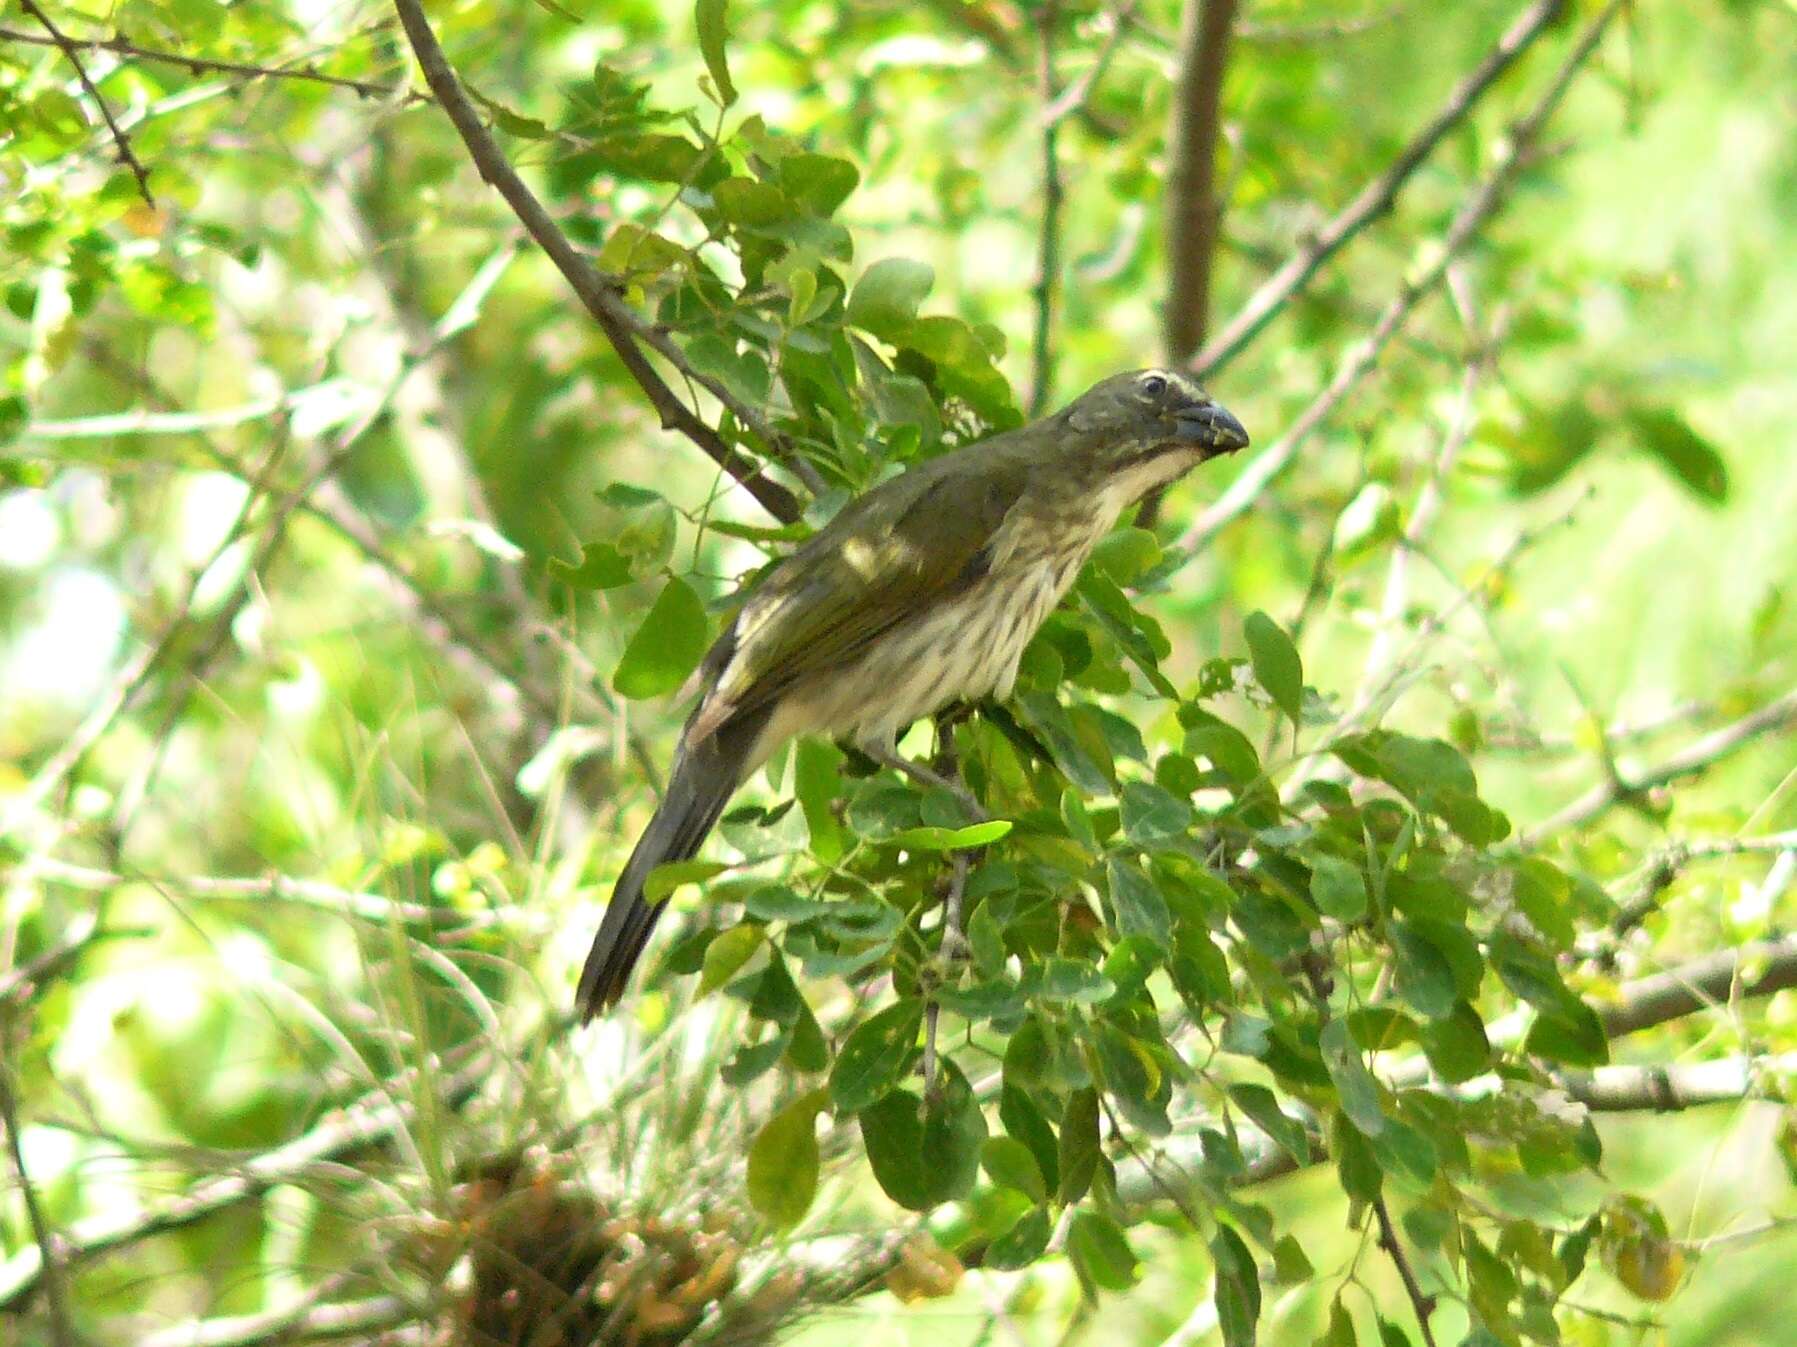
1155, 423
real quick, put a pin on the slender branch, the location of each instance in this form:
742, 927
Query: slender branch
627, 332
201, 65
1379, 196
72, 53
1666, 864
272, 888
25, 979
1693, 759
62, 1331
1076, 95
1194, 213
1421, 1304
1048, 249
1484, 203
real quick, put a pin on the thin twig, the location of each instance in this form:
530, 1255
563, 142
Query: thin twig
199, 65
1422, 1304
1379, 196
1325, 31
307, 1322
1078, 94
62, 1331
1194, 212
1484, 203
627, 332
122, 142
1048, 248
1695, 758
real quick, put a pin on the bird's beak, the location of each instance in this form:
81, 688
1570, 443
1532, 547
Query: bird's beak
1211, 428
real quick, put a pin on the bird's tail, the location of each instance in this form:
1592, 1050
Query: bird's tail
703, 781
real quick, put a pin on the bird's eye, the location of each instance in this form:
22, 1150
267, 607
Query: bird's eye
1154, 385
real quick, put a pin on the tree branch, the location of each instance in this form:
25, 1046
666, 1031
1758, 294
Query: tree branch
1378, 197
62, 1331
1421, 1304
118, 46
71, 53
1693, 759
627, 332
1709, 980
1668, 1089
1194, 213
1484, 203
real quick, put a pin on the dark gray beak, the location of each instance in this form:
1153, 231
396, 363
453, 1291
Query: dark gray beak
1211, 428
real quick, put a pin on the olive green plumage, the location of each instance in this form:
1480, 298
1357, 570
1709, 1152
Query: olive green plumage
922, 592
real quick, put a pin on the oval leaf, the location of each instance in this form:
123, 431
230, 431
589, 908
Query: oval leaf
667, 647
1277, 667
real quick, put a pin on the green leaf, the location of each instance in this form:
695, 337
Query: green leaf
1423, 977
1456, 1044
1260, 1104
874, 1056
783, 1161
950, 839
1354, 1084
726, 954
1340, 1332
1237, 1288
885, 299
818, 182
710, 16
1079, 1144
1140, 908
1061, 979
926, 1155
1354, 1160
664, 879
602, 566
1152, 816
1022, 1244
1011, 1164
1337, 888
1101, 1253
1277, 667
1690, 458
1127, 555
815, 782
667, 647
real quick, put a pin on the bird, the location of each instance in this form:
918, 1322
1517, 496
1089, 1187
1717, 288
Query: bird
922, 592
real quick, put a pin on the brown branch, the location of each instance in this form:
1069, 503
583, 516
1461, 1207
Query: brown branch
122, 142
200, 65
62, 1331
1484, 203
627, 332
1422, 1304
1378, 197
1691, 760
1194, 212
1048, 250
1709, 980
1665, 866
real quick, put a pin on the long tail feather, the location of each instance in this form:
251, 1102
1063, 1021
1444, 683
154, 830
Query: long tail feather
702, 783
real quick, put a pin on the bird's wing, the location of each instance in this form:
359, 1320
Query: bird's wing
910, 543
